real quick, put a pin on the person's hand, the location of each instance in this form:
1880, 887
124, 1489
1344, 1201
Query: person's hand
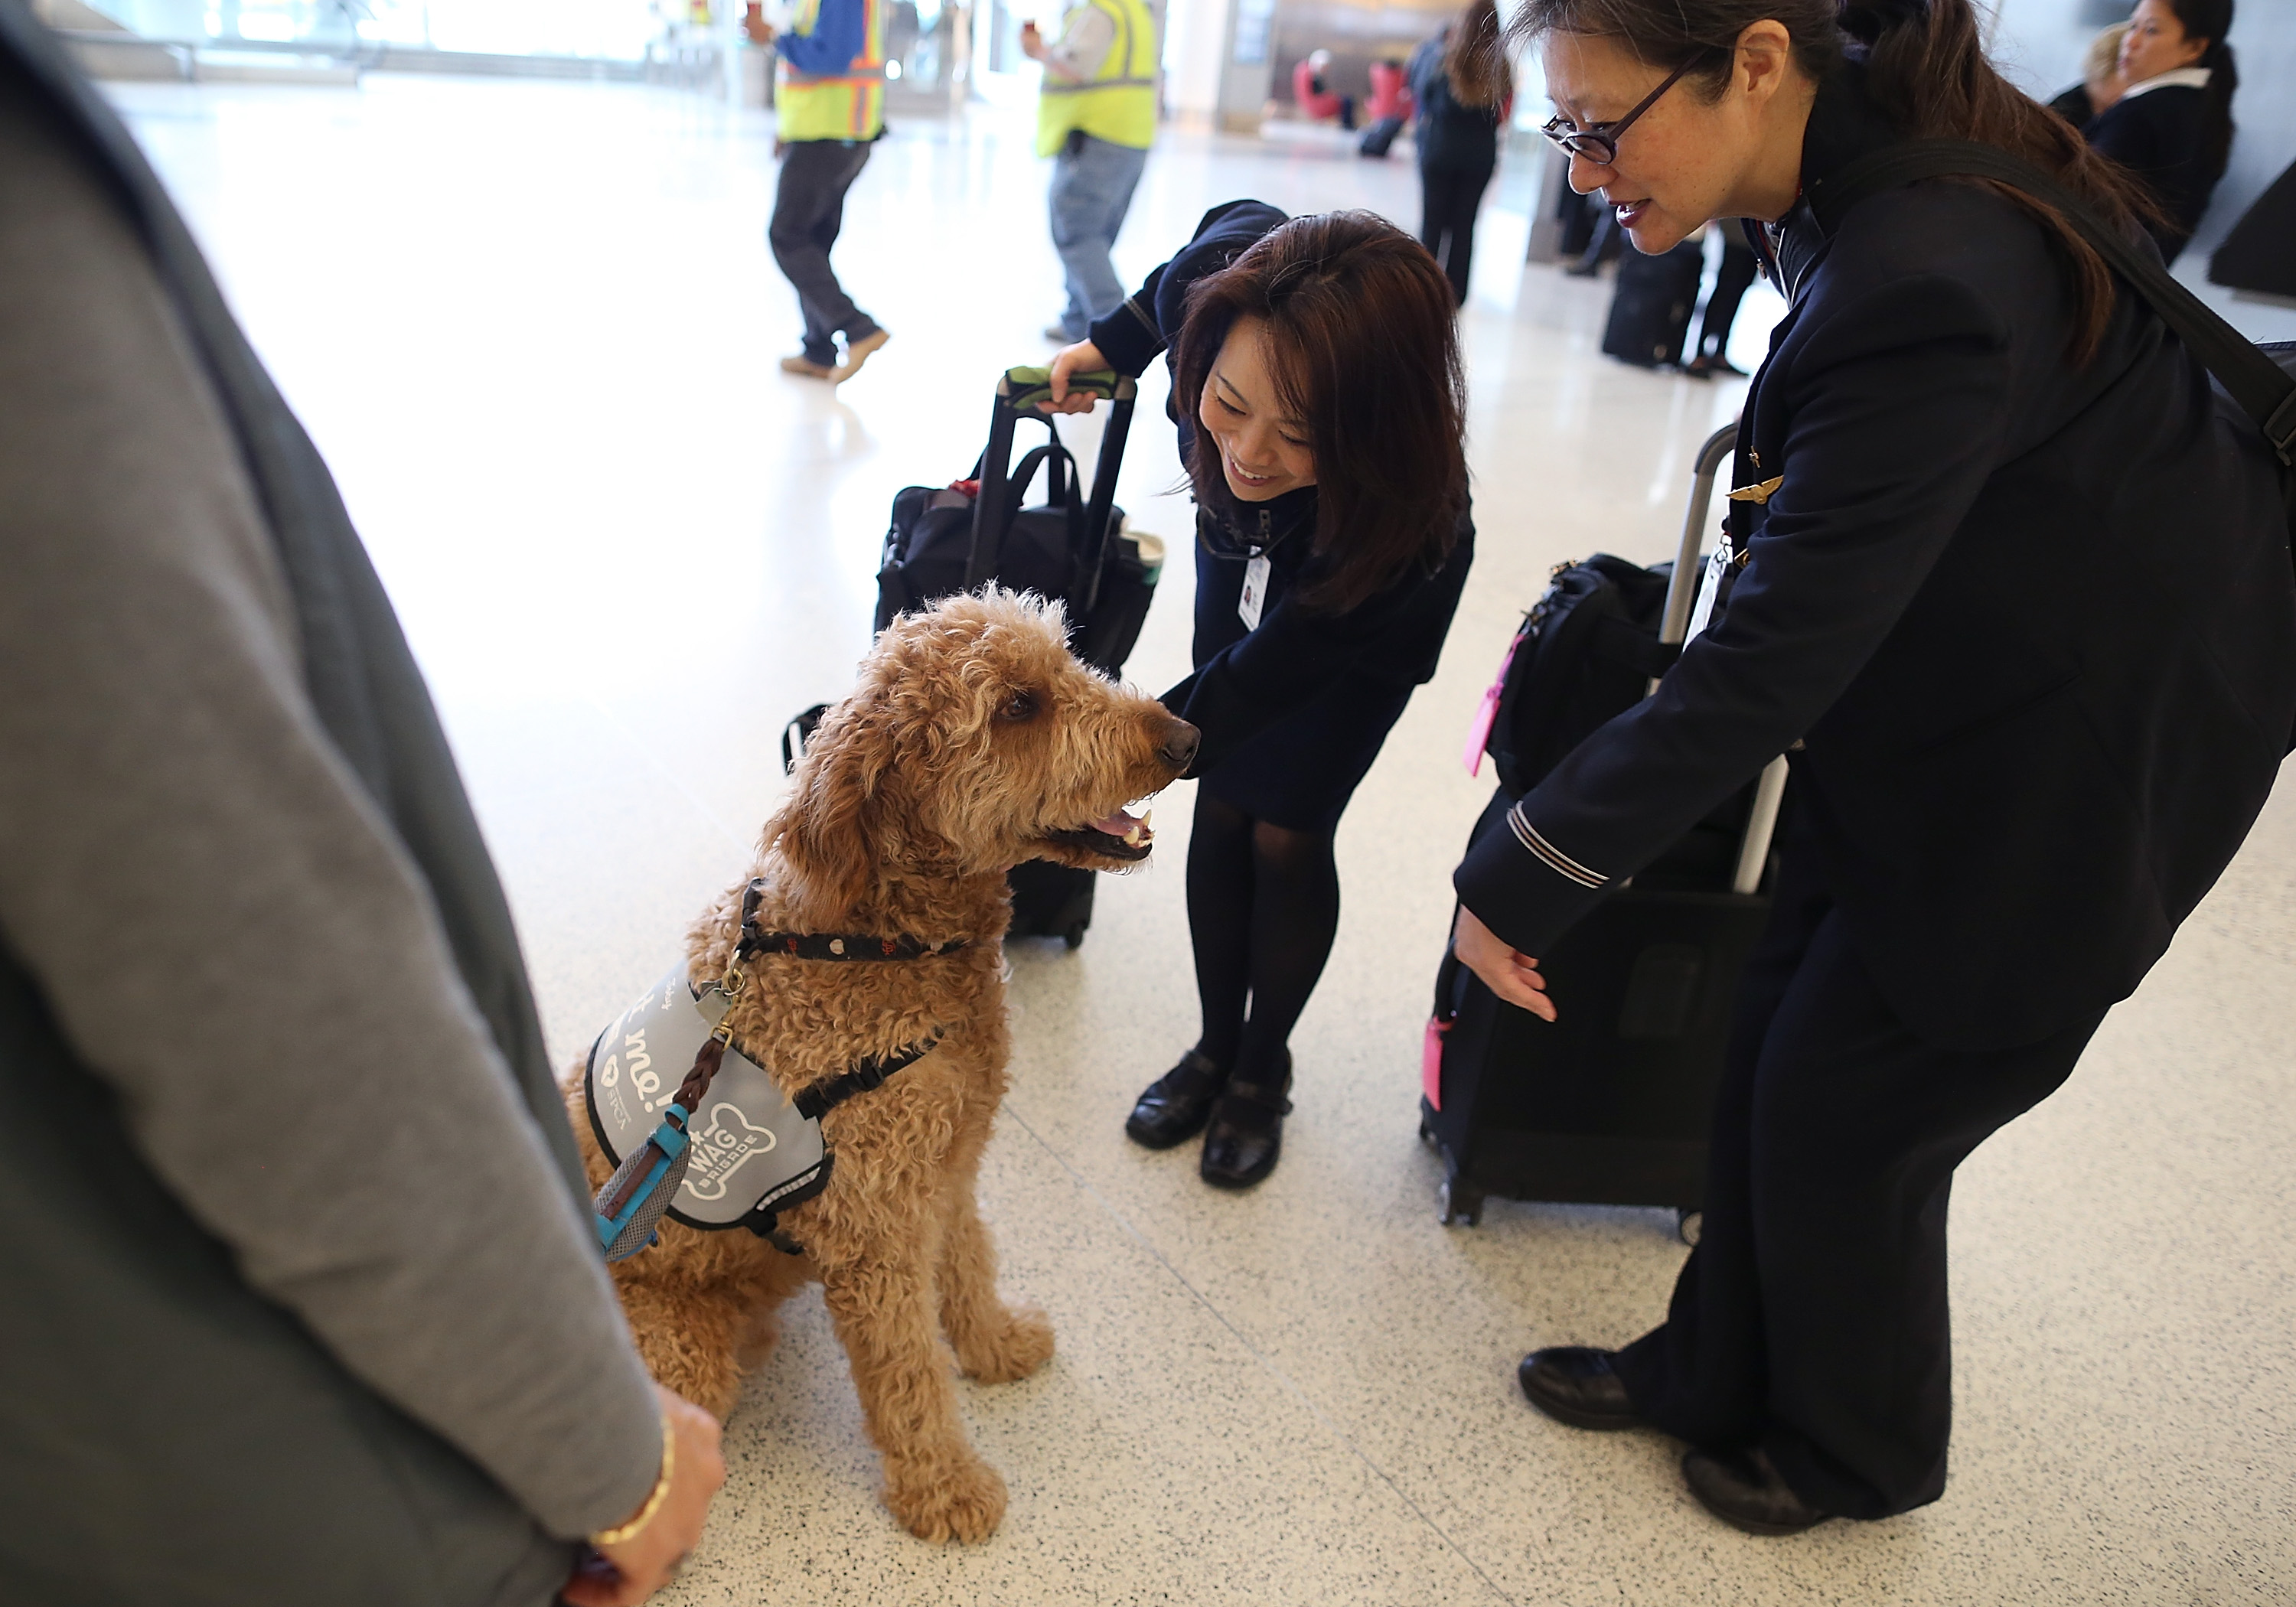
1032, 43
1083, 357
624, 1575
1511, 975
754, 24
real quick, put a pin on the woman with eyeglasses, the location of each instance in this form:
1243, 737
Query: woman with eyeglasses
2014, 595
1316, 385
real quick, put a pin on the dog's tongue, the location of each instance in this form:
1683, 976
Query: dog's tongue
1123, 824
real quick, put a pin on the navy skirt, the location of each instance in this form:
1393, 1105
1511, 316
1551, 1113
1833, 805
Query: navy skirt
1299, 773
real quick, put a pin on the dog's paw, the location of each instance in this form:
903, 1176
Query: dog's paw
1012, 1349
947, 1500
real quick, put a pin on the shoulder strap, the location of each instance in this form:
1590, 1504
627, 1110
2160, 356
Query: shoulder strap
2250, 377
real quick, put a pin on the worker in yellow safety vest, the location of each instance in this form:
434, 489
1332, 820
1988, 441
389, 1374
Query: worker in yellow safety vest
1096, 117
829, 110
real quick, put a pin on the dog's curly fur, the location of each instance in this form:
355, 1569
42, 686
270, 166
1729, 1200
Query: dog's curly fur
973, 738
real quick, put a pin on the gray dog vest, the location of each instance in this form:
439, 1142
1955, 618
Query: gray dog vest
753, 1152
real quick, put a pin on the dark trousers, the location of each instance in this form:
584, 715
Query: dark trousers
808, 210
1448, 200
1731, 281
1811, 1318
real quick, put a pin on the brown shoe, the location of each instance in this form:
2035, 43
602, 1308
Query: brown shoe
857, 353
808, 368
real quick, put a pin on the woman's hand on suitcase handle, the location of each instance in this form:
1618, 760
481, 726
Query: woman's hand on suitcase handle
1083, 357
1507, 972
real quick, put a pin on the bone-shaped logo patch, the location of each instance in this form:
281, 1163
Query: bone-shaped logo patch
718, 1149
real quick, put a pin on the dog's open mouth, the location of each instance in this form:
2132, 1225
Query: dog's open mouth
1119, 836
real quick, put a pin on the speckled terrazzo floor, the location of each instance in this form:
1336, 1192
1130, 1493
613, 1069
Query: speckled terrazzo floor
533, 325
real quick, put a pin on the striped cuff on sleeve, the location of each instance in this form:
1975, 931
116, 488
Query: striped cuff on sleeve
1554, 859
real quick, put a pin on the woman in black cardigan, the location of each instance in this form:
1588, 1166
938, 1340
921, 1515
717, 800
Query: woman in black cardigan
1316, 385
2013, 594
2172, 125
1464, 92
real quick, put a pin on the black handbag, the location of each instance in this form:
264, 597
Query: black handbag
1586, 652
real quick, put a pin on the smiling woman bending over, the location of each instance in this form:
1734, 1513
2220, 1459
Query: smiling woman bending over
2024, 739
1316, 385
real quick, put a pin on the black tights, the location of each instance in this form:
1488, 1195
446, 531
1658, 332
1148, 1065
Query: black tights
1263, 908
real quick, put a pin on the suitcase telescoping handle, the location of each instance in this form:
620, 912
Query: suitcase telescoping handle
1018, 392
1674, 625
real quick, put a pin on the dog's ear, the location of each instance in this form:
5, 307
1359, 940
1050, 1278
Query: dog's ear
826, 830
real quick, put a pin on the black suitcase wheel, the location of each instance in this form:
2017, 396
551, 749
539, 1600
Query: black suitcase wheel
1074, 934
1688, 1225
1457, 1207
1426, 1133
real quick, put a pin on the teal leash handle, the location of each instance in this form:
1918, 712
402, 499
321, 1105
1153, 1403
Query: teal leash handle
630, 1210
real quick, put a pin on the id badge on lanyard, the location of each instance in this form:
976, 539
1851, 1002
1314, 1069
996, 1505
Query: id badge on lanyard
1254, 598
1710, 587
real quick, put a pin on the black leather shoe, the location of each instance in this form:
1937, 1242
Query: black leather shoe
1575, 1384
1247, 1132
1174, 1107
1745, 1491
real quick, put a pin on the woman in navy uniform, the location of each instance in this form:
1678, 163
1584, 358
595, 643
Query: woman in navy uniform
2172, 124
1316, 385
2014, 591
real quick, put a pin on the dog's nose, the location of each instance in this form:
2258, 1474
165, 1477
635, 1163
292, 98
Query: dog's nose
1178, 749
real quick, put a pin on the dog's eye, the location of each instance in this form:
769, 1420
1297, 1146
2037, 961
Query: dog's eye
1018, 708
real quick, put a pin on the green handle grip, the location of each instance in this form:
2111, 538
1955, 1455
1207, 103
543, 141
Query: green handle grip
1023, 388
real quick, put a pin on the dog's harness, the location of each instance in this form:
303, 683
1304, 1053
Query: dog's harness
726, 1148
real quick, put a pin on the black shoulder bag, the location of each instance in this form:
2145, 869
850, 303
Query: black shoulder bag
2261, 379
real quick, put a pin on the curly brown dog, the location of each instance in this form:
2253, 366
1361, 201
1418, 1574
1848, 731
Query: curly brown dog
974, 740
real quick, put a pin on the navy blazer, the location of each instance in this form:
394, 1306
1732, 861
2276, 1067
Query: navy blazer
2157, 135
1245, 681
2031, 625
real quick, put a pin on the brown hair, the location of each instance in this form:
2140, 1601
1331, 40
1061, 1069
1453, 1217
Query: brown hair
1475, 59
1364, 350
1926, 70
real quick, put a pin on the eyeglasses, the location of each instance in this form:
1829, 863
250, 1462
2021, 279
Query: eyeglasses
1598, 143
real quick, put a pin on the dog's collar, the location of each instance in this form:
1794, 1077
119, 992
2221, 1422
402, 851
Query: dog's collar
831, 945
844, 946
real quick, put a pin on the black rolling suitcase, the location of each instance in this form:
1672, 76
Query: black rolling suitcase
1650, 307
1611, 1103
1072, 546
1380, 138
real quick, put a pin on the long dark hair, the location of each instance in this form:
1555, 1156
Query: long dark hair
1475, 58
1364, 350
1927, 71
2211, 20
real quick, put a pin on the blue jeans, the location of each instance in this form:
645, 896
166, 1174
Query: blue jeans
1092, 182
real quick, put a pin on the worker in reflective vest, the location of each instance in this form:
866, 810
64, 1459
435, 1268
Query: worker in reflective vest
1097, 117
830, 108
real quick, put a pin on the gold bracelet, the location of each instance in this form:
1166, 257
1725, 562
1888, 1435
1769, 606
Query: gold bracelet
622, 1532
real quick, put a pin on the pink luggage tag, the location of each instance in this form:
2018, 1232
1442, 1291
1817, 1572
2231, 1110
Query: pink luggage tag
1430, 1063
1479, 733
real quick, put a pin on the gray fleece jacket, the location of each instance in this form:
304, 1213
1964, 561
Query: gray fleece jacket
297, 1300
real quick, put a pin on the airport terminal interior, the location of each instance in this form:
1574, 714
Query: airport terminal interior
533, 324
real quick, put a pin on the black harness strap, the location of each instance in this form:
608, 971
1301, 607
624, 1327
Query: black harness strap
815, 1099
830, 946
819, 1097
843, 946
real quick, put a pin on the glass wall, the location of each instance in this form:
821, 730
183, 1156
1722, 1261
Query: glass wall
611, 30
